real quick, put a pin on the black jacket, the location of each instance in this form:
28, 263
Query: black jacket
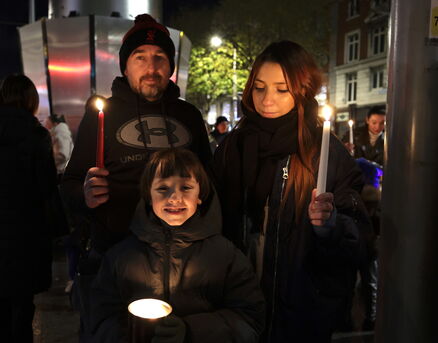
207, 281
306, 278
30, 208
128, 145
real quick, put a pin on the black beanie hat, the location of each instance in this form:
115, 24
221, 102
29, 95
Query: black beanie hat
146, 31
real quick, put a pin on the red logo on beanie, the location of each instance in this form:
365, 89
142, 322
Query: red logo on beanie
150, 36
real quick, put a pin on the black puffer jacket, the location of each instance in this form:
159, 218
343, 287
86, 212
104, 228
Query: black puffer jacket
128, 118
207, 281
30, 208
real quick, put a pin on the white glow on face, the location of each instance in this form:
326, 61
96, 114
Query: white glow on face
150, 308
99, 104
350, 123
327, 112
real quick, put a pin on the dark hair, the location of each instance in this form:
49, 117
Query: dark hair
304, 81
174, 162
19, 91
376, 110
220, 119
56, 119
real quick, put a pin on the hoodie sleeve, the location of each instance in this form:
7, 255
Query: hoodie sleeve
109, 314
241, 316
83, 158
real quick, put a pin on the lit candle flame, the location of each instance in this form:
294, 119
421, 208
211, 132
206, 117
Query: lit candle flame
327, 112
350, 123
150, 308
99, 104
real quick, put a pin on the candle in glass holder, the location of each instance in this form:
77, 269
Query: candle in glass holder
100, 134
144, 316
323, 158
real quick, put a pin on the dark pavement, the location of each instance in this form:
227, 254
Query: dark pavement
56, 322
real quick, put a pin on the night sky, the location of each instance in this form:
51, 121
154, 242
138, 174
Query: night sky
15, 13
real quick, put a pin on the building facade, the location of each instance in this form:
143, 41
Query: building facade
358, 63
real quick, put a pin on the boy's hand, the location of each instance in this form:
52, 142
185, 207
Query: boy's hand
96, 187
171, 329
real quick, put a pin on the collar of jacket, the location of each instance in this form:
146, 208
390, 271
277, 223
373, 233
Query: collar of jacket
148, 228
121, 89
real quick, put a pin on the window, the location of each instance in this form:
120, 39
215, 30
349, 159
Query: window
352, 47
377, 3
378, 40
377, 75
353, 8
351, 87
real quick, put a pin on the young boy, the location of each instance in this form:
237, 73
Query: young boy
176, 254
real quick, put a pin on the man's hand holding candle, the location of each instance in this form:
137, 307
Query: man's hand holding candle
96, 189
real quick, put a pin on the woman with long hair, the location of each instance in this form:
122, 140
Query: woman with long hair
30, 208
304, 247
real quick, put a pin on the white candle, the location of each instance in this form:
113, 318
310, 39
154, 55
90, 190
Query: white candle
323, 158
350, 123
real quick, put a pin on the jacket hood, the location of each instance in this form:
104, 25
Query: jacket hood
15, 124
149, 228
121, 89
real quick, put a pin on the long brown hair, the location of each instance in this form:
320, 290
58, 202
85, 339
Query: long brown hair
304, 81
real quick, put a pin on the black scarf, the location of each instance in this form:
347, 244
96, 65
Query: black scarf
265, 142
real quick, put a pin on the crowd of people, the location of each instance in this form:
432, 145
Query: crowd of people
227, 229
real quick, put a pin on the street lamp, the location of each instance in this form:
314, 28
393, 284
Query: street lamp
216, 41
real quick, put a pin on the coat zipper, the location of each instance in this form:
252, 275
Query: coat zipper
166, 267
277, 241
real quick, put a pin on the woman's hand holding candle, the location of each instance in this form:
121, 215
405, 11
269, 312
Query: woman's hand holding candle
320, 208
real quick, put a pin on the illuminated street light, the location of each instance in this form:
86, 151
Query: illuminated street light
216, 42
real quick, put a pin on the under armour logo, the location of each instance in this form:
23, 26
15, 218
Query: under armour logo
150, 36
156, 131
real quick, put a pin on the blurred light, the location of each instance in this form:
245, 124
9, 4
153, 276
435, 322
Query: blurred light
150, 308
350, 123
99, 104
81, 68
216, 41
327, 112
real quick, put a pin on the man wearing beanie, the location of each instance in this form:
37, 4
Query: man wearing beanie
144, 114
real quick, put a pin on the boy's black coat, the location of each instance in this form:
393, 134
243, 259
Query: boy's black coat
210, 284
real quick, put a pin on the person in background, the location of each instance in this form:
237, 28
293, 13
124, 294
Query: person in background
176, 253
31, 212
219, 133
62, 141
368, 140
144, 114
305, 247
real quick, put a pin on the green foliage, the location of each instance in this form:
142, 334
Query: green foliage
211, 75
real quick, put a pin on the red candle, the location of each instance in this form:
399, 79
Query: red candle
100, 134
